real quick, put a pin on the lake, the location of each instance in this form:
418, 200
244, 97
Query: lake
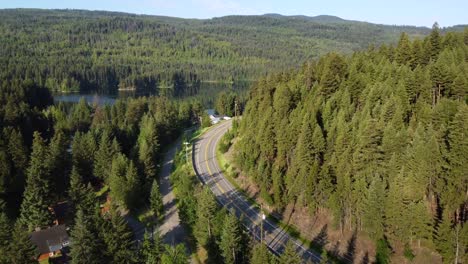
207, 94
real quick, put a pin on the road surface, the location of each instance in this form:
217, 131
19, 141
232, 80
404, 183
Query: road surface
171, 230
209, 172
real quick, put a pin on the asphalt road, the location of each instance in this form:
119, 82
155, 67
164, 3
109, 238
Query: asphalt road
209, 172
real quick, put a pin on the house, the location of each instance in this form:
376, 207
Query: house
50, 241
215, 118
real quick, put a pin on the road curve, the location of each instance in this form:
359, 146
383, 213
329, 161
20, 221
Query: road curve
209, 172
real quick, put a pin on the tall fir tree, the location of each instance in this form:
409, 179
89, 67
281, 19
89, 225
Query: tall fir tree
103, 157
58, 162
35, 206
290, 255
21, 250
174, 254
205, 217
260, 254
230, 242
119, 239
83, 249
156, 200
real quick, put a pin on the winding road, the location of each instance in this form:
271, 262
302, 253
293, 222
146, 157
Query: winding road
209, 172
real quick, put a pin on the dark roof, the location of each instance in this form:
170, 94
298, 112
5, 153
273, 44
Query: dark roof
51, 239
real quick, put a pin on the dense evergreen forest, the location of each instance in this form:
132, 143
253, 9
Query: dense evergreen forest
377, 140
71, 50
87, 156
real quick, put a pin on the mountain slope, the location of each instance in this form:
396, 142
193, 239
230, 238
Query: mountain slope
97, 50
367, 148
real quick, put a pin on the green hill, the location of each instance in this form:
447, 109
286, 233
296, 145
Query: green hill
102, 51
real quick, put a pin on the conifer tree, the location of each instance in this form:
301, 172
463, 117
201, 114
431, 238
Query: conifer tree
174, 255
156, 200
83, 249
435, 43
124, 181
82, 196
152, 248
103, 157
205, 217
35, 206
21, 250
148, 146
404, 51
455, 180
83, 149
230, 243
58, 160
5, 236
119, 239
260, 254
290, 255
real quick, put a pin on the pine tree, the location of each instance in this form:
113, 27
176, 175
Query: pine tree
83, 249
458, 87
81, 116
290, 255
174, 255
230, 243
5, 236
148, 146
374, 211
205, 215
260, 254
35, 206
82, 196
455, 180
19, 157
156, 200
445, 241
103, 157
119, 240
58, 160
421, 223
435, 43
152, 248
21, 250
124, 182
404, 52
84, 148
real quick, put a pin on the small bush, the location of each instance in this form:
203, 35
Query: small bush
408, 253
382, 255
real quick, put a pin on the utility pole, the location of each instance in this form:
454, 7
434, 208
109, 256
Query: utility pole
186, 150
261, 223
235, 108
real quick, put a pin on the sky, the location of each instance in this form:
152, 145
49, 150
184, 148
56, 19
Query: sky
393, 12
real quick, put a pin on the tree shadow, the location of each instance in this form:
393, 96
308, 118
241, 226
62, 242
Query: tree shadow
214, 253
321, 238
351, 248
365, 259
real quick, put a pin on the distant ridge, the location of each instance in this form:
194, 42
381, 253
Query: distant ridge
320, 18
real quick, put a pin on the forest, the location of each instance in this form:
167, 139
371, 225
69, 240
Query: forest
101, 160
375, 140
97, 51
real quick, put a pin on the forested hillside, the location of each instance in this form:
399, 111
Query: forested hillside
376, 140
71, 50
99, 160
